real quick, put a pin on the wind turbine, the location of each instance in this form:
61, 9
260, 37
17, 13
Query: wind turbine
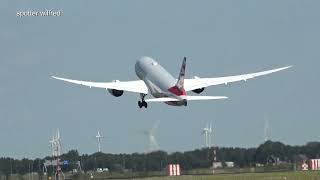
99, 137
153, 144
58, 142
266, 129
206, 132
53, 145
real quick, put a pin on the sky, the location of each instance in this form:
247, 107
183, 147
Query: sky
102, 40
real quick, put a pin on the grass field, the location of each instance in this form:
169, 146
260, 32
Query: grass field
247, 176
307, 175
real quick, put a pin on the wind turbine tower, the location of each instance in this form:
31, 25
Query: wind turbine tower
207, 133
53, 145
99, 137
266, 130
58, 143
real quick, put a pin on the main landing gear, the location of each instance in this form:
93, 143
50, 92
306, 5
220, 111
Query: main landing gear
142, 103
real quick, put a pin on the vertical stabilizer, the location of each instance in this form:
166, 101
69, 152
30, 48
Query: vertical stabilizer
178, 89
180, 83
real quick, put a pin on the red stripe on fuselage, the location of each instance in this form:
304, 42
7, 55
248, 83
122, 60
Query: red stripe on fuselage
179, 92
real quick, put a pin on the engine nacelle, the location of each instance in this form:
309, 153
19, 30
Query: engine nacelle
198, 91
115, 92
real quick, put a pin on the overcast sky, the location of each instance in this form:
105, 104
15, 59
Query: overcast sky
101, 41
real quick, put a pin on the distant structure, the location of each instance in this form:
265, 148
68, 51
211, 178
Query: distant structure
174, 170
99, 137
214, 151
56, 152
153, 144
213, 146
266, 130
55, 144
207, 133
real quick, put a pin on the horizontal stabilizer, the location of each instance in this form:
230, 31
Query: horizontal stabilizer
194, 98
188, 98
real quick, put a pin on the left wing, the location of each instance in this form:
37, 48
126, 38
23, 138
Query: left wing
131, 86
188, 98
192, 84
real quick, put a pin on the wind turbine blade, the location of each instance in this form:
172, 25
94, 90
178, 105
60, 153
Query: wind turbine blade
58, 134
154, 142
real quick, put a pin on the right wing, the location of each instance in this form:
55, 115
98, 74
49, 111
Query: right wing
132, 86
188, 98
196, 83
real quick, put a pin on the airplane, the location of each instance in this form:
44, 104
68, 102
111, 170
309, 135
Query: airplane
163, 86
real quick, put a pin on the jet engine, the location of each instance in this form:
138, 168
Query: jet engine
115, 92
198, 91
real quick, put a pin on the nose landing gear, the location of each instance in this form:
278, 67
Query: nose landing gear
142, 103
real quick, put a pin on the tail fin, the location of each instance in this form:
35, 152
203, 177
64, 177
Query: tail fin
180, 83
178, 89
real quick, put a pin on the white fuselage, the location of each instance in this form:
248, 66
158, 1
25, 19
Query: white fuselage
157, 79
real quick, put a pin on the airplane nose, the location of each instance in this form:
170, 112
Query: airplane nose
139, 61
146, 59
139, 68
143, 63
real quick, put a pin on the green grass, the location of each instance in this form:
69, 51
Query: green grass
299, 175
247, 176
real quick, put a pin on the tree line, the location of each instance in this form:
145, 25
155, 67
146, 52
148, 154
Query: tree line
158, 160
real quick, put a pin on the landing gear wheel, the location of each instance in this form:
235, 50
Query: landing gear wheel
145, 104
142, 103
